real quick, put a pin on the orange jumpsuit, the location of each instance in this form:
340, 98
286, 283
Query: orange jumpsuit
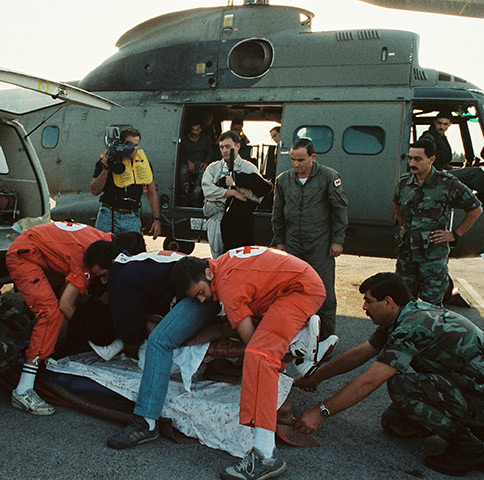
286, 291
42, 258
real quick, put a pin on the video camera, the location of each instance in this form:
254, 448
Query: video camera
116, 150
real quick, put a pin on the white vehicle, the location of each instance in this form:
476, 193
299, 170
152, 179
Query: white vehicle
24, 194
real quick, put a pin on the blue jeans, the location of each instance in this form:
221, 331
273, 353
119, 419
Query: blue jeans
183, 321
123, 222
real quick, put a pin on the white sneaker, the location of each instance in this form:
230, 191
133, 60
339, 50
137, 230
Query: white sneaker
307, 366
305, 343
32, 403
109, 351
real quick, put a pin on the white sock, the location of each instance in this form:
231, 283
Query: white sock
27, 379
265, 441
151, 423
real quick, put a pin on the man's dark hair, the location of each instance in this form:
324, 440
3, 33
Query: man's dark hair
237, 121
277, 129
129, 132
188, 270
132, 242
445, 114
387, 284
229, 134
103, 253
304, 143
194, 121
426, 144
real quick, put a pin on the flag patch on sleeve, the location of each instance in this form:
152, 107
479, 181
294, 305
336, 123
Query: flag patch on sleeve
337, 182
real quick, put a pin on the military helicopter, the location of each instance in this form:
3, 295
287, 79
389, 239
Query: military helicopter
360, 95
24, 193
465, 8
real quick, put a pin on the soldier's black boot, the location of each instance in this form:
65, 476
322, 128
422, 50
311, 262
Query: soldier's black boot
464, 453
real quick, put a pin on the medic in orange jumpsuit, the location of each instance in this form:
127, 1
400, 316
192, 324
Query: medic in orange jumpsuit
250, 281
43, 258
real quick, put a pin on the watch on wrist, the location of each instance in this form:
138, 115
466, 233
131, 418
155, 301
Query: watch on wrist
324, 411
456, 235
157, 218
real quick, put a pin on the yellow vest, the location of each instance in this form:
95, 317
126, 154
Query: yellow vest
137, 172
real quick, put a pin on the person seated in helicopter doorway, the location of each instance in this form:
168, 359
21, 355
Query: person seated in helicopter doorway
196, 152
231, 197
237, 126
121, 178
213, 128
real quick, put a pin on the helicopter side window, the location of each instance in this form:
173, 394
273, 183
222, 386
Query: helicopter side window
363, 140
321, 136
50, 136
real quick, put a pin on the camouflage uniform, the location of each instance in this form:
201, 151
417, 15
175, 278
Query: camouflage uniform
439, 387
427, 207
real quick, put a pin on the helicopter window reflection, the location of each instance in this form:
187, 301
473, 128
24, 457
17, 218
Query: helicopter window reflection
321, 136
50, 136
363, 140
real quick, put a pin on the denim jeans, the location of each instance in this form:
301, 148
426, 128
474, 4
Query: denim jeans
123, 222
184, 320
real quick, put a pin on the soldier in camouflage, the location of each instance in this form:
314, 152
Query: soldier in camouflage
423, 203
433, 362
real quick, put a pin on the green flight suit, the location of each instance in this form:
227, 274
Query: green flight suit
307, 218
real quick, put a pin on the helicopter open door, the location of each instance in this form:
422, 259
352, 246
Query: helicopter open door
362, 141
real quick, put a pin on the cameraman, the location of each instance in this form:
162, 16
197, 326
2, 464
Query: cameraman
121, 192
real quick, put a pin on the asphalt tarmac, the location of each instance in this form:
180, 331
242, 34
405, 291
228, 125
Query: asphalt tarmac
71, 445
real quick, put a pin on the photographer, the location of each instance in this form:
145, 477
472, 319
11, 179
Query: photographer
121, 175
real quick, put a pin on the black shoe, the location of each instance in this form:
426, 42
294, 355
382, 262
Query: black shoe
134, 434
451, 464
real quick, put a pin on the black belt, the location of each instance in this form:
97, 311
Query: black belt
119, 210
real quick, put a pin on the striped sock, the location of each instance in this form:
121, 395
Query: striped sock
27, 379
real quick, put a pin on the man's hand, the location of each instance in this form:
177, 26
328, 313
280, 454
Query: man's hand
307, 384
335, 249
442, 236
281, 246
309, 421
104, 159
235, 193
191, 166
155, 229
229, 181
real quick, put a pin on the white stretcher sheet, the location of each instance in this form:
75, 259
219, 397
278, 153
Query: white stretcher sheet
203, 409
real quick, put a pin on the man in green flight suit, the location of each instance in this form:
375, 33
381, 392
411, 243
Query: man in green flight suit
423, 203
309, 220
433, 362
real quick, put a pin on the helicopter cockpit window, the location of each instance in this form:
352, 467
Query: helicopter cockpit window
321, 136
3, 163
50, 136
363, 140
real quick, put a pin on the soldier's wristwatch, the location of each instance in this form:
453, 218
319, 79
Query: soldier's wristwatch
324, 411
